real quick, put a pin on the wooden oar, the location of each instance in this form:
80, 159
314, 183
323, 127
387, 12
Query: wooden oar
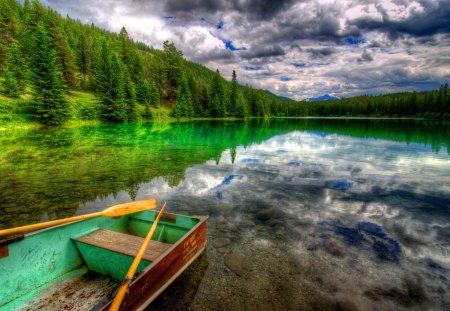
126, 283
113, 211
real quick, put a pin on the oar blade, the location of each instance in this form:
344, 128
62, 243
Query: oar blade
129, 208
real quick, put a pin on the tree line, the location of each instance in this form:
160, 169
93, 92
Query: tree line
430, 104
47, 56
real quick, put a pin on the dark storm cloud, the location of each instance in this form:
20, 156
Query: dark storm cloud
263, 52
213, 55
321, 52
366, 56
257, 9
434, 19
322, 26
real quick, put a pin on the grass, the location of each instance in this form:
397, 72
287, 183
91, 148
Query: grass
16, 113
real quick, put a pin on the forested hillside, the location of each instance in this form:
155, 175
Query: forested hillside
54, 69
45, 59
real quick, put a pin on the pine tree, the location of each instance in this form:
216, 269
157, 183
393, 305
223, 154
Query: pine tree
109, 80
11, 84
47, 83
129, 98
241, 107
60, 43
142, 91
172, 70
147, 115
155, 100
8, 27
233, 96
216, 103
14, 72
183, 106
32, 14
83, 57
204, 102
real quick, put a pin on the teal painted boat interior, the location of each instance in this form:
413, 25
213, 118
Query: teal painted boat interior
45, 257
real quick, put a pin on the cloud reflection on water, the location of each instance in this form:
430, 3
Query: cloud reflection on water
379, 208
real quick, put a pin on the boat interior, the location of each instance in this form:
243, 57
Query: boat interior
74, 266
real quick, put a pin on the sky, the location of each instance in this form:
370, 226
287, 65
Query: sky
298, 49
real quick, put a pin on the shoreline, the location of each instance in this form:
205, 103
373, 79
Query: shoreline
17, 125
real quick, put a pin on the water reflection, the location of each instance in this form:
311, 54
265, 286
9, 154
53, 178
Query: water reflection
331, 220
304, 214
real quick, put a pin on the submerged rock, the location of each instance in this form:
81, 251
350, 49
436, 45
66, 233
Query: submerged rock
268, 214
345, 304
388, 249
366, 235
443, 233
430, 263
235, 262
221, 242
333, 248
411, 293
372, 229
350, 235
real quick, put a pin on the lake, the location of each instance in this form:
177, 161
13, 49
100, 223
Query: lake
305, 214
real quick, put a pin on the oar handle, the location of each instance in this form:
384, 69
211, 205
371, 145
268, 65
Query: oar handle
113, 211
47, 224
132, 270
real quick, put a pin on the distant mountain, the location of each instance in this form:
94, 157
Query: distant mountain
321, 98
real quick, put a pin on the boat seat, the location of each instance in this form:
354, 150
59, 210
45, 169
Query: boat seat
123, 243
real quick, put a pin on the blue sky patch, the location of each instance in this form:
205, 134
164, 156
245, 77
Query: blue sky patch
295, 163
169, 17
318, 133
230, 46
220, 24
340, 185
354, 41
285, 78
250, 160
228, 180
253, 68
299, 65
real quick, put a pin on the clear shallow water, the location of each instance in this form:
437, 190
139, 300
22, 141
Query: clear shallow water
304, 214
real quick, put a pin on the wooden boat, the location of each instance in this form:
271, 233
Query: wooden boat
78, 266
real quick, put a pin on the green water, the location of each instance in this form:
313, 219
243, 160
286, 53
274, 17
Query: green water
304, 213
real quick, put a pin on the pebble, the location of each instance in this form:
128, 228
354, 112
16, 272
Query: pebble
344, 304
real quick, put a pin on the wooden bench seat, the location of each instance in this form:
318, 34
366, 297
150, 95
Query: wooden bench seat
123, 243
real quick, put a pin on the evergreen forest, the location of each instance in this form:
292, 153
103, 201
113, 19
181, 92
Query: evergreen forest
55, 69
